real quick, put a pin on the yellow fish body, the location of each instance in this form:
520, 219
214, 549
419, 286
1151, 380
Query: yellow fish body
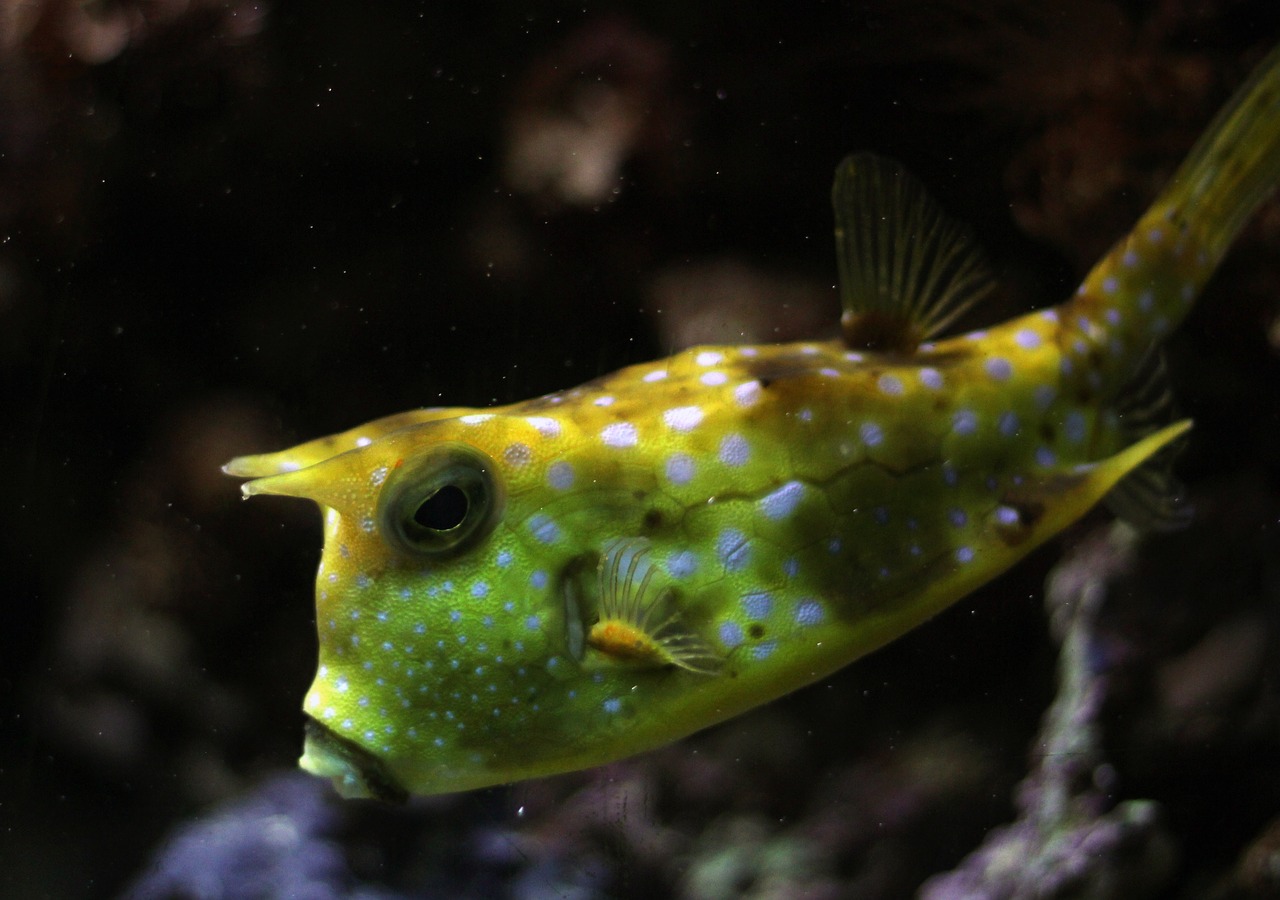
551, 585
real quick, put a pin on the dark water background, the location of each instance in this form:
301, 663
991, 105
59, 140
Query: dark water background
227, 227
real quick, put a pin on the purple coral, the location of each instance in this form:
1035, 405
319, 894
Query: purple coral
274, 844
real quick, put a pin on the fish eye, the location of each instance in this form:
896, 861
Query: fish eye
441, 503
444, 510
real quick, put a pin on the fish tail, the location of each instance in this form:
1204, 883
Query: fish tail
1148, 282
1234, 166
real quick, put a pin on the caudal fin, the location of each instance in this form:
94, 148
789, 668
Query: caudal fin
1144, 287
1234, 166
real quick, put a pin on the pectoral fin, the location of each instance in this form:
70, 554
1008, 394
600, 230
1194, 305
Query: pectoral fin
639, 621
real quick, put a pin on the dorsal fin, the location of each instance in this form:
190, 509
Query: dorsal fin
1150, 497
639, 623
907, 269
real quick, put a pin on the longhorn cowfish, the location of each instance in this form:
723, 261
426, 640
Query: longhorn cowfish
551, 585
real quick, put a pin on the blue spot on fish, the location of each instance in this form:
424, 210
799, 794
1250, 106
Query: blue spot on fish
764, 650
731, 634
1074, 426
782, 503
809, 612
758, 604
543, 528
732, 549
682, 564
999, 368
872, 434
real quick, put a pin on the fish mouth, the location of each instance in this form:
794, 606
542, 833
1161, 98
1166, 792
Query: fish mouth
355, 772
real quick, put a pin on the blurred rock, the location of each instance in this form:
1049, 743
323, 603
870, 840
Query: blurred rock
586, 109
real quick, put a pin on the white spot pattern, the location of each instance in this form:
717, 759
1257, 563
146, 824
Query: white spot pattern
931, 378
620, 435
890, 385
683, 418
747, 393
548, 428
517, 454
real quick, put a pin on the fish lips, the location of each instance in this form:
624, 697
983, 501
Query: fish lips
355, 772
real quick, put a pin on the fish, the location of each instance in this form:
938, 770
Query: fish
547, 586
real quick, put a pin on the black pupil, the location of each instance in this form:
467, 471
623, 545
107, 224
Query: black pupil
443, 510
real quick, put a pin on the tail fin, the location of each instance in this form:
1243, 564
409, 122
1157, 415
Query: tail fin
1234, 166
1141, 289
